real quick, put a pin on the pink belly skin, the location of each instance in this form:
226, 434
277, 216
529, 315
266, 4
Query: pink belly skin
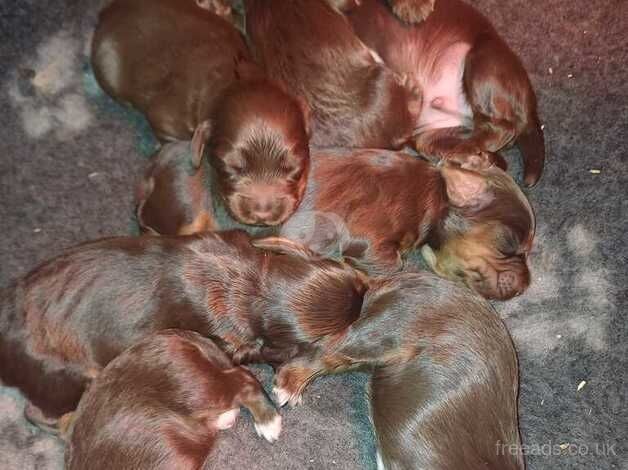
440, 79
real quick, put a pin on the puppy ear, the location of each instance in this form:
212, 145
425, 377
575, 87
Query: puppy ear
201, 135
285, 246
466, 189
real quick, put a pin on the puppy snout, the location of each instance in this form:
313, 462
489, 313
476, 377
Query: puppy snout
264, 209
512, 283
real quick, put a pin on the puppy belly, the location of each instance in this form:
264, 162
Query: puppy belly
444, 103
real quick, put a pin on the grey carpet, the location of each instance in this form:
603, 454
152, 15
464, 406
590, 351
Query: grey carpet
69, 158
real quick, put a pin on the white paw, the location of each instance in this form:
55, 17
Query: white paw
282, 396
227, 419
270, 430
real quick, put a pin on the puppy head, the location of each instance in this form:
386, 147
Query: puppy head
313, 296
259, 150
487, 234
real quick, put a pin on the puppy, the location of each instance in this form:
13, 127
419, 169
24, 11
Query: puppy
375, 206
188, 71
445, 378
477, 96
168, 58
355, 100
161, 403
65, 321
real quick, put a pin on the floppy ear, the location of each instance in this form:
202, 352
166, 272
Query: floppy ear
201, 135
285, 246
466, 189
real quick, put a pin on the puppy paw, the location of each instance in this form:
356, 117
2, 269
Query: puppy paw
284, 397
412, 11
227, 419
269, 430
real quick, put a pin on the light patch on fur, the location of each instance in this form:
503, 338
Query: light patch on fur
227, 419
380, 461
48, 89
567, 299
270, 430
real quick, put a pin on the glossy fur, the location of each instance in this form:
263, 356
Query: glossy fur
65, 321
375, 205
477, 96
189, 72
445, 380
355, 100
160, 405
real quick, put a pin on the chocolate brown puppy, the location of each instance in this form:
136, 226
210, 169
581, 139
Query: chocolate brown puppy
170, 59
65, 321
375, 206
445, 380
477, 96
188, 71
355, 100
160, 405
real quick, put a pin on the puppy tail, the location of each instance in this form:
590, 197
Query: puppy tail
532, 147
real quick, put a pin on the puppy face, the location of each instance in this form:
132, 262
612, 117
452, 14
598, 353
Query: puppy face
488, 234
259, 150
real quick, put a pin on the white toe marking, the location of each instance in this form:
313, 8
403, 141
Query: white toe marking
227, 419
282, 396
270, 430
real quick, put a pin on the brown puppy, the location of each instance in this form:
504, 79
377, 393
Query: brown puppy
477, 96
445, 382
355, 100
375, 206
160, 404
65, 321
170, 59
176, 62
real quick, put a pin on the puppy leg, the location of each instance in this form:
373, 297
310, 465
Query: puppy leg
503, 103
456, 144
412, 11
251, 395
293, 377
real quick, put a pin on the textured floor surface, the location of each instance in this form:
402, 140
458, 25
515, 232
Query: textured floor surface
69, 158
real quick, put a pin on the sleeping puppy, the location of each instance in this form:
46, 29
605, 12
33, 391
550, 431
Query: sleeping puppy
445, 380
160, 405
65, 321
477, 96
375, 206
170, 59
354, 99
188, 71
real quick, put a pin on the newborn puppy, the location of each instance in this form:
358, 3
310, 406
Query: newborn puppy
477, 96
355, 100
170, 59
445, 380
65, 321
374, 206
160, 405
187, 70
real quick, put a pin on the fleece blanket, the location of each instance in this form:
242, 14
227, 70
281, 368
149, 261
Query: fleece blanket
70, 157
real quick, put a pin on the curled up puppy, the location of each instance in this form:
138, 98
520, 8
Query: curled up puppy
355, 100
444, 386
189, 72
477, 96
376, 206
160, 405
64, 322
